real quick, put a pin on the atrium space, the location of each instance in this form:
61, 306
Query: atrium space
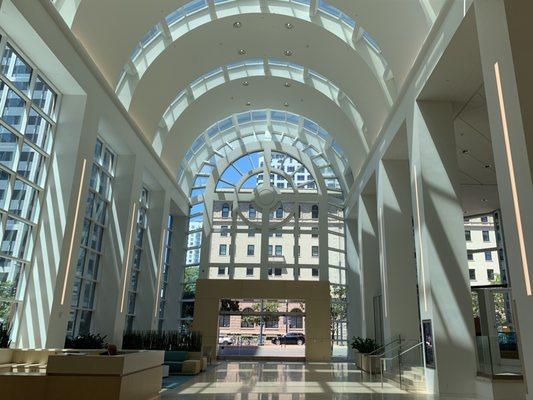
266, 199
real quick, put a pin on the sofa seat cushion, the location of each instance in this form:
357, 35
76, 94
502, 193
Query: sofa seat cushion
179, 356
174, 367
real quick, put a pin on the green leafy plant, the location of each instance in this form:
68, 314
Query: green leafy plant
86, 341
4, 336
168, 341
364, 345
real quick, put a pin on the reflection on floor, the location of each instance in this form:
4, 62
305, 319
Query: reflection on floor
285, 381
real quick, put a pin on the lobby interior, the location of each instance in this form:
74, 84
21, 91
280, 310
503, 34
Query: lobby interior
266, 199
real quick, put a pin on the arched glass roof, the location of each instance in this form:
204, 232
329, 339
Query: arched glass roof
257, 126
250, 68
199, 12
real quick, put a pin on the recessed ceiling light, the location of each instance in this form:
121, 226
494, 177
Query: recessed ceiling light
289, 25
288, 53
484, 200
248, 103
287, 84
242, 52
465, 151
487, 166
237, 24
245, 83
286, 104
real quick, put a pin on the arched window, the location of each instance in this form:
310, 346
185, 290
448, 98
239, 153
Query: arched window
279, 212
247, 321
296, 321
314, 212
252, 213
225, 210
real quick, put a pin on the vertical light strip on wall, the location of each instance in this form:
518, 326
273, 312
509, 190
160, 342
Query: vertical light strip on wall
512, 177
128, 252
161, 257
422, 267
71, 246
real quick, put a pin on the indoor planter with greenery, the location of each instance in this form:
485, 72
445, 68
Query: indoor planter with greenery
168, 341
86, 341
364, 347
5, 332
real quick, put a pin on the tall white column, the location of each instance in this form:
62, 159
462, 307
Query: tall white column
441, 249
353, 281
504, 31
396, 242
369, 261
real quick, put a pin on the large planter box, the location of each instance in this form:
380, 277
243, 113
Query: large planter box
370, 364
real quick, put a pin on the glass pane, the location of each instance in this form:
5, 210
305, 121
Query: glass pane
38, 131
4, 186
16, 69
8, 147
75, 293
16, 238
24, 201
31, 165
96, 237
85, 322
13, 112
10, 271
44, 97
92, 266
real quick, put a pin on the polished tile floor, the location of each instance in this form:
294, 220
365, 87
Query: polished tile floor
285, 381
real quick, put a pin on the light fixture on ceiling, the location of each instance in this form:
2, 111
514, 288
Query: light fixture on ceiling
248, 103
286, 104
288, 53
487, 166
484, 200
237, 24
465, 151
289, 25
245, 83
242, 52
287, 84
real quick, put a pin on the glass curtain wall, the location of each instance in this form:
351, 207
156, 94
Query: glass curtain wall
28, 113
142, 223
94, 224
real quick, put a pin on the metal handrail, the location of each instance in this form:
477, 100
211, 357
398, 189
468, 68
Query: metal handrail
399, 338
383, 359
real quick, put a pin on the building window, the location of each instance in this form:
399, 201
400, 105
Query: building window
484, 219
279, 212
142, 223
486, 236
470, 256
24, 156
488, 256
297, 251
468, 236
224, 230
251, 250
249, 271
247, 321
252, 213
222, 270
279, 250
269, 271
223, 321
296, 321
277, 271
472, 273
272, 323
222, 249
314, 251
251, 232
279, 234
91, 246
314, 231
314, 272
490, 274
270, 249
225, 210
165, 268
314, 212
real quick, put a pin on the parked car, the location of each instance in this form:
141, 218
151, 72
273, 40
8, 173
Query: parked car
225, 340
290, 338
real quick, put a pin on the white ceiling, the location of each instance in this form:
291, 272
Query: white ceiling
110, 29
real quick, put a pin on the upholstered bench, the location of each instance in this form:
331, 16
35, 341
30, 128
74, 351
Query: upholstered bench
179, 363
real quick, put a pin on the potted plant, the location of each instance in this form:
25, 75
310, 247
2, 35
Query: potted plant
365, 346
